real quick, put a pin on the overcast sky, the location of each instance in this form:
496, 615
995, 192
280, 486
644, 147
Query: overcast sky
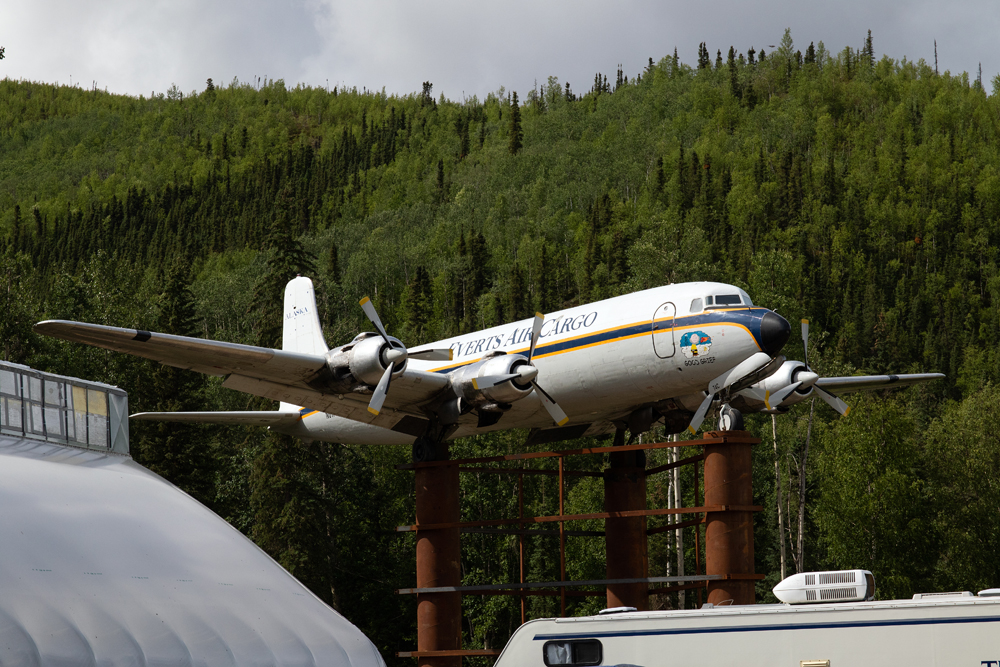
463, 48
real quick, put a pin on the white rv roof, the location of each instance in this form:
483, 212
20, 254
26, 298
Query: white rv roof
103, 562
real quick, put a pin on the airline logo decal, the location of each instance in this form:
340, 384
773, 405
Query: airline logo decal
695, 344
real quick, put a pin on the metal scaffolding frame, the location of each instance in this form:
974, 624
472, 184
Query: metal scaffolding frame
698, 581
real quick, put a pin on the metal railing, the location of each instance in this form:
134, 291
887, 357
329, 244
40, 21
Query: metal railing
63, 410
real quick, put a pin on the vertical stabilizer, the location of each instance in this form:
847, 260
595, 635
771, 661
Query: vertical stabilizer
301, 331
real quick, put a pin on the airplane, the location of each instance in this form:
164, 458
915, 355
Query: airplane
671, 354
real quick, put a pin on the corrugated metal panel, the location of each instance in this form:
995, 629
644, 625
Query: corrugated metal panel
103, 562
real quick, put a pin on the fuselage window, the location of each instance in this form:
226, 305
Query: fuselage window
579, 652
696, 306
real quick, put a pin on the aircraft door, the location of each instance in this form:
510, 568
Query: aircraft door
663, 331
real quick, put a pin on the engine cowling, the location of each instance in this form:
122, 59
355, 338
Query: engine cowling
478, 394
361, 362
788, 373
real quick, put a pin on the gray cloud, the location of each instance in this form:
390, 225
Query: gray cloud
470, 48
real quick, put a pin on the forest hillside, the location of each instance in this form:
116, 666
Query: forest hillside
861, 193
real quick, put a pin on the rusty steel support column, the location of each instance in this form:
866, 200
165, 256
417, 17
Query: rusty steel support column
439, 615
729, 534
625, 537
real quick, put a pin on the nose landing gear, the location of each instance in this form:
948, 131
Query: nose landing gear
730, 419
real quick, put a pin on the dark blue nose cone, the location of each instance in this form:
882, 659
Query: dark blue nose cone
774, 332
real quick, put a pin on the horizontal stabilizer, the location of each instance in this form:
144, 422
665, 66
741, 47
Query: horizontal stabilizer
246, 418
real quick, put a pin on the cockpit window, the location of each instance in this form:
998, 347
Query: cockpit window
709, 301
728, 300
696, 306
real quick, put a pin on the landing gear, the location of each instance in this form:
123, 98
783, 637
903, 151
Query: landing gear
425, 450
730, 419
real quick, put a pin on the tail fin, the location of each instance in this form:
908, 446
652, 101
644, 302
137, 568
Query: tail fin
302, 331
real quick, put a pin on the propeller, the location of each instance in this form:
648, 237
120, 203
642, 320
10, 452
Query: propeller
773, 399
393, 356
529, 372
744, 373
524, 373
831, 400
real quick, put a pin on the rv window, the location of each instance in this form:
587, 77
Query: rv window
580, 652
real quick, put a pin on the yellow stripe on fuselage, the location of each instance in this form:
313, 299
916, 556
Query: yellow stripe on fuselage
540, 355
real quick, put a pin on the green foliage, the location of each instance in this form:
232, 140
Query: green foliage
176, 451
875, 510
966, 453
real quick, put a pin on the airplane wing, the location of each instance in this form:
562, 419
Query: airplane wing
197, 354
844, 385
245, 418
276, 374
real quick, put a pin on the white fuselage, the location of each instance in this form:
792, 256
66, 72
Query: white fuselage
599, 361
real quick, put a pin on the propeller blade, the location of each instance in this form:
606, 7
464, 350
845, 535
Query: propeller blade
492, 380
833, 401
774, 399
745, 369
536, 330
366, 305
805, 341
699, 416
378, 398
558, 416
432, 355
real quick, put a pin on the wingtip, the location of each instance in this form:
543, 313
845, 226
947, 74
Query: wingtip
40, 327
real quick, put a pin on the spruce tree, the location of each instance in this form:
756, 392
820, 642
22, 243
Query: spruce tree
734, 82
181, 453
515, 145
418, 304
287, 259
333, 264
439, 193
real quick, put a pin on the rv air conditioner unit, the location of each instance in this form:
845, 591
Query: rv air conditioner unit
826, 587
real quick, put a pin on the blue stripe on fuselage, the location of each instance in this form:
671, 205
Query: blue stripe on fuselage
749, 318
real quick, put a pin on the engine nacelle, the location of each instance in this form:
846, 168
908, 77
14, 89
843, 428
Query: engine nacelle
501, 394
790, 372
362, 361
